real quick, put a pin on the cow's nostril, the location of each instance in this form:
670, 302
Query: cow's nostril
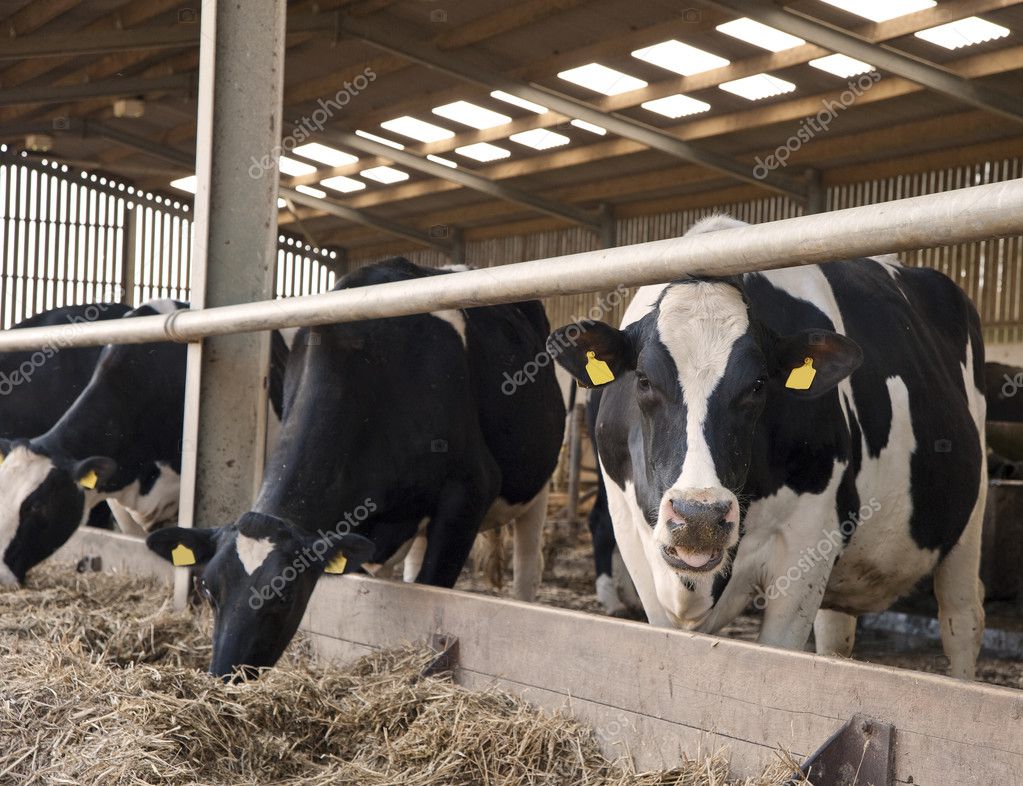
699, 513
675, 525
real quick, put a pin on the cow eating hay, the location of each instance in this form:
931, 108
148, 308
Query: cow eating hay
102, 685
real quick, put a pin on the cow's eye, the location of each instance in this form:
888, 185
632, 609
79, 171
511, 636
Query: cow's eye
758, 384
642, 381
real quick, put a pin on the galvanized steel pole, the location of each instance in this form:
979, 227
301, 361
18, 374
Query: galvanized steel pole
959, 216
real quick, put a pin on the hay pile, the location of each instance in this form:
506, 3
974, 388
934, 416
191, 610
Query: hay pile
100, 684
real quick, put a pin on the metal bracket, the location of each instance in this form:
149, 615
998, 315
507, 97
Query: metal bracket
858, 754
445, 648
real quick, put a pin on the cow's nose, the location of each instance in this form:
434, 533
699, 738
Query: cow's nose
694, 513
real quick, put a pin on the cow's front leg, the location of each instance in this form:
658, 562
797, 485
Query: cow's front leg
453, 528
796, 583
834, 633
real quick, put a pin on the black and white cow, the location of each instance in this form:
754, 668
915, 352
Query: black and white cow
391, 427
38, 386
119, 441
826, 493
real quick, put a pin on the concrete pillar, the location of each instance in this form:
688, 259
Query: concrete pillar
241, 72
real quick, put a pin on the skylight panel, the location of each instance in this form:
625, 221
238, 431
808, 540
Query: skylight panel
324, 154
758, 86
483, 151
841, 65
753, 32
881, 10
469, 114
602, 79
187, 183
294, 168
343, 184
963, 32
380, 139
416, 129
677, 105
508, 98
591, 127
540, 139
442, 161
313, 192
680, 58
384, 174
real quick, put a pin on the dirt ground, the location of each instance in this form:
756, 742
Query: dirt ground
568, 583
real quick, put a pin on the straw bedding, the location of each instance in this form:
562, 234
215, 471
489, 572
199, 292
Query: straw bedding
101, 684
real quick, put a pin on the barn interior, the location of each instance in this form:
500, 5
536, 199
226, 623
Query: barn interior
178, 149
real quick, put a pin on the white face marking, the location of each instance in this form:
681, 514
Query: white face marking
252, 552
699, 324
21, 473
158, 506
453, 317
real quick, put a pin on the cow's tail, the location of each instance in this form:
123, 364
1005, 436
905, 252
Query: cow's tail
488, 556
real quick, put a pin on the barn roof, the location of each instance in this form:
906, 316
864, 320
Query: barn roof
681, 127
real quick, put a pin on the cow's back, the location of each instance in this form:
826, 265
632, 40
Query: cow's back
38, 386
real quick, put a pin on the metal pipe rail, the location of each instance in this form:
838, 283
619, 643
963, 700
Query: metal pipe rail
920, 222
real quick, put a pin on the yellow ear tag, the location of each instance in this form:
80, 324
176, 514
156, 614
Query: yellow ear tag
597, 370
88, 480
801, 378
1, 458
182, 556
336, 565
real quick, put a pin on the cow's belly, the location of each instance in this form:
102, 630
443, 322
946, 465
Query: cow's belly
880, 565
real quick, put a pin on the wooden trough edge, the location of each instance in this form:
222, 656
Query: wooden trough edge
654, 694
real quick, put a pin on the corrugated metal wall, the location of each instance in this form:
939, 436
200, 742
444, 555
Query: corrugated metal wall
68, 237
991, 272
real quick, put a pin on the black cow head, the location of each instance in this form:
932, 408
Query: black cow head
258, 574
43, 499
701, 370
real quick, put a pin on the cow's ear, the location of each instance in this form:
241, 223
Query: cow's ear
594, 353
93, 471
342, 553
812, 362
184, 546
